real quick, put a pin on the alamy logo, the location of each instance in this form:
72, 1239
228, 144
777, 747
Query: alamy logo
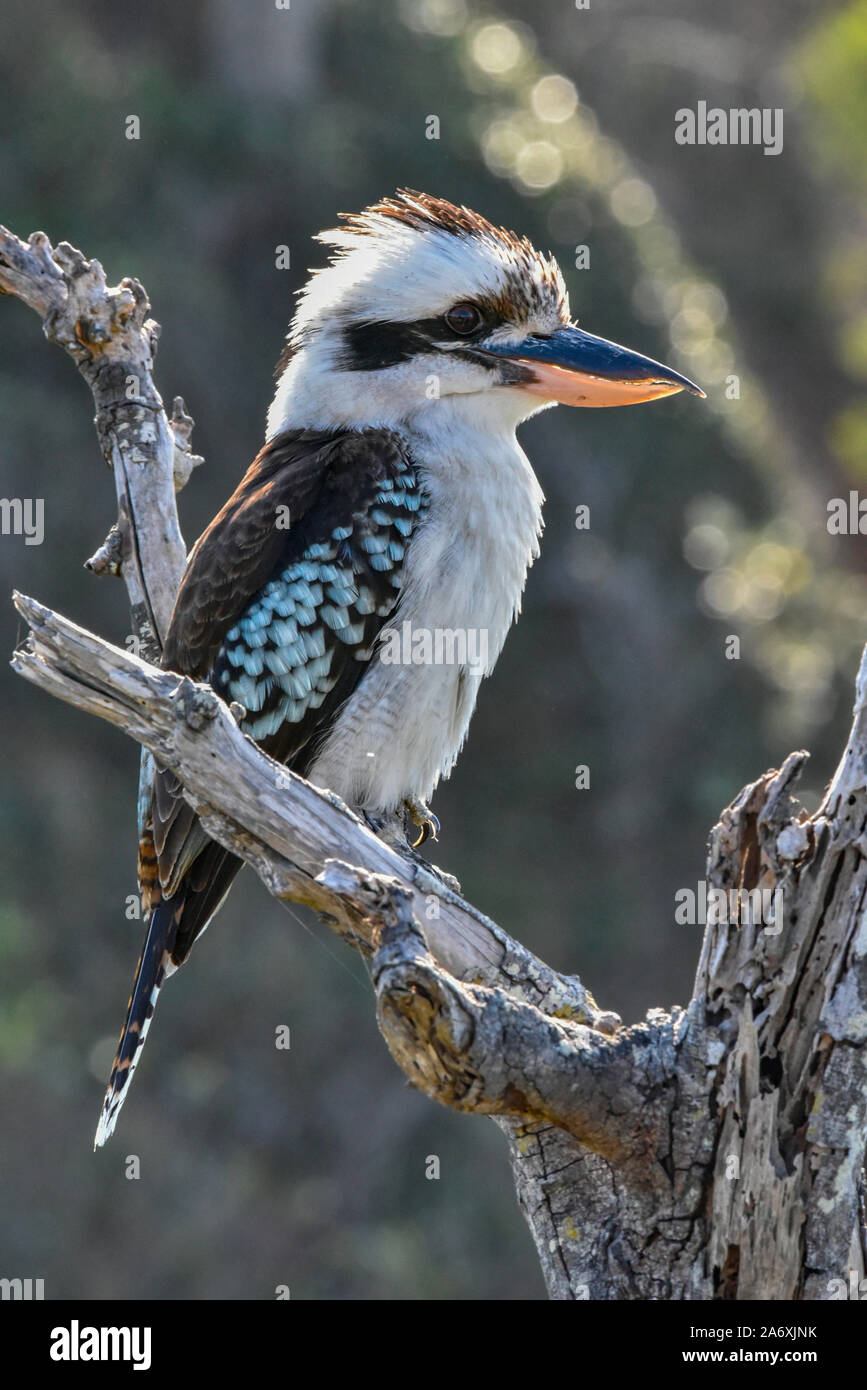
76, 1343
437, 646
23, 516
738, 126
22, 1288
854, 1288
847, 516
714, 907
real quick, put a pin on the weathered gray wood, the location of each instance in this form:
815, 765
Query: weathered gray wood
227, 778
706, 1153
112, 340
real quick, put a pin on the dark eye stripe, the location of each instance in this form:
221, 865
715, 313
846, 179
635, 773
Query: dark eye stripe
368, 347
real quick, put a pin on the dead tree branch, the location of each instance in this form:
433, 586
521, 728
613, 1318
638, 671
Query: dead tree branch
112, 341
302, 841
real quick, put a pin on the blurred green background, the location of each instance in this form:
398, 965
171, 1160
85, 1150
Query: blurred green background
306, 1168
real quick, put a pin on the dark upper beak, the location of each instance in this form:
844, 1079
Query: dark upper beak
577, 368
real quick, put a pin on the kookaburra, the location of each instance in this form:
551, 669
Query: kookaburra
391, 452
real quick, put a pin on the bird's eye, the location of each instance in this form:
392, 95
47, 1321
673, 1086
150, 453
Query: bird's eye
464, 319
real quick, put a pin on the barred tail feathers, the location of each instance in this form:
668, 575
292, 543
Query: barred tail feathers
154, 966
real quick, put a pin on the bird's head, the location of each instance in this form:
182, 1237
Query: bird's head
425, 307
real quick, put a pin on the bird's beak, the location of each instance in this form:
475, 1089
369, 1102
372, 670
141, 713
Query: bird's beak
577, 368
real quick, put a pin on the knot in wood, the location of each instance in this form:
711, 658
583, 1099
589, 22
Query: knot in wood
199, 706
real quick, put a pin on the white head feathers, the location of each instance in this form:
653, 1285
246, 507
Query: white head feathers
403, 263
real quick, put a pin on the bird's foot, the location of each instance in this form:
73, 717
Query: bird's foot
392, 829
388, 826
422, 816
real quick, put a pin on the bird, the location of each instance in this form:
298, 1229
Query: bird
391, 494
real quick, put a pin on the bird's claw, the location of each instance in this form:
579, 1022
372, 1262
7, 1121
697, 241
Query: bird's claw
422, 816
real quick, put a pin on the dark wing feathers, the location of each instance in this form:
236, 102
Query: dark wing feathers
283, 620
237, 553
